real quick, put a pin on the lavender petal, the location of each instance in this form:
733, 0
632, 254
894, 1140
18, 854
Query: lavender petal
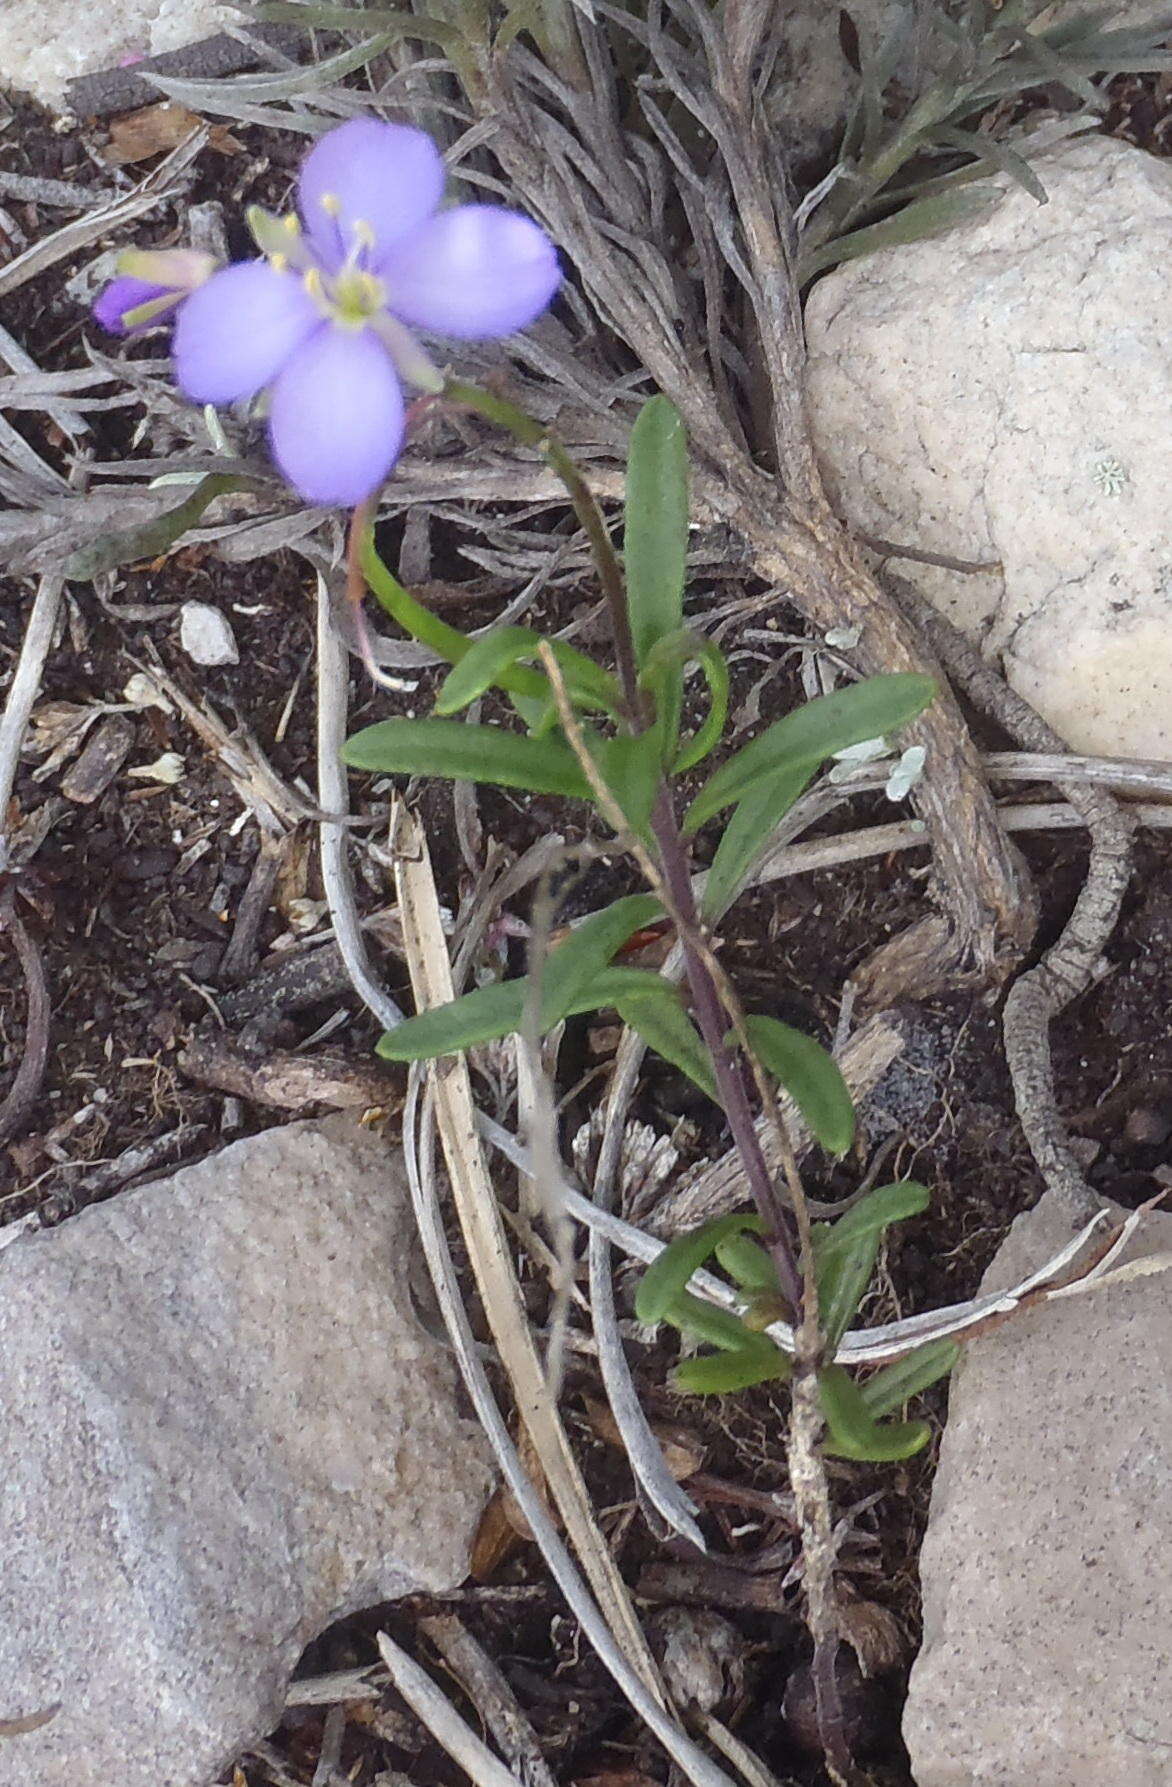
235, 333
123, 294
473, 272
389, 177
337, 417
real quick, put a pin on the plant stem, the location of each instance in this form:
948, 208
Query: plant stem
531, 433
730, 1079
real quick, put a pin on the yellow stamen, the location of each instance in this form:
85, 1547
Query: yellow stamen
331, 204
292, 223
279, 263
364, 234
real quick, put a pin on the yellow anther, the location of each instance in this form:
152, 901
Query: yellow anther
291, 224
311, 280
364, 234
279, 263
331, 204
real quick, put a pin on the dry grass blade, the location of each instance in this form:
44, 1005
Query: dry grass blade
84, 231
419, 1156
492, 1697
333, 673
1096, 1240
22, 693
644, 1453
488, 1248
442, 1720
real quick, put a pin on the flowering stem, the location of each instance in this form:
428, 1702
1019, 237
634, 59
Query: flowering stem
531, 433
730, 1080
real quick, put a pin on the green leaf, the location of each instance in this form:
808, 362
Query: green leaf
810, 1075
843, 1276
810, 734
885, 1205
667, 657
656, 537
897, 1383
493, 661
746, 835
747, 1262
355, 18
666, 1277
450, 748
495, 1011
660, 1019
701, 1320
719, 1374
631, 768
851, 1432
149, 539
572, 967
915, 223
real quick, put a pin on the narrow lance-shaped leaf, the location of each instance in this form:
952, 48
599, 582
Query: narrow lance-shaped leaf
896, 1384
851, 1431
656, 536
810, 1075
666, 1277
493, 661
885, 1205
665, 1026
722, 1374
469, 754
843, 1277
747, 834
149, 539
494, 1011
813, 732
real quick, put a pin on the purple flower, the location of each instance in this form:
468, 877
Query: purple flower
323, 322
151, 284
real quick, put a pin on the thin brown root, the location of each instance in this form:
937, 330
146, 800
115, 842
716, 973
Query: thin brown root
1074, 963
22, 1094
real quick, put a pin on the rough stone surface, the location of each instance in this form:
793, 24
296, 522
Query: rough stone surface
42, 49
1047, 1649
206, 635
222, 1429
1004, 393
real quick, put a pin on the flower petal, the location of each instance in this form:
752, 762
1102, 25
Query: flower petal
123, 294
389, 177
235, 333
336, 421
473, 272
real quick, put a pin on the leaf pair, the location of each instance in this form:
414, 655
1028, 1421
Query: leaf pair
845, 1254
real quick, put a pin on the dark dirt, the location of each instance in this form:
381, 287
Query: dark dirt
132, 900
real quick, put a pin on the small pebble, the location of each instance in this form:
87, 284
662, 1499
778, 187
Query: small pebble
206, 636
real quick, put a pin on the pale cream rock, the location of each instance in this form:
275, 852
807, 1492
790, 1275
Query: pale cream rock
42, 49
1047, 1653
223, 1428
1003, 392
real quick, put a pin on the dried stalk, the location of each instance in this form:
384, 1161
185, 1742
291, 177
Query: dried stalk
419, 1158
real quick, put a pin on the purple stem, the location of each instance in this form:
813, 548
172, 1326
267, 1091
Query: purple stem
730, 1079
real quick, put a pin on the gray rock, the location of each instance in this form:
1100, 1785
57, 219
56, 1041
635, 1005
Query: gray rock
42, 50
223, 1428
1003, 392
1047, 1655
206, 635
